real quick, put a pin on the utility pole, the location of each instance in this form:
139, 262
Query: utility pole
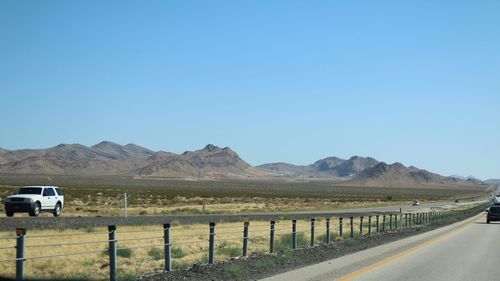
125, 199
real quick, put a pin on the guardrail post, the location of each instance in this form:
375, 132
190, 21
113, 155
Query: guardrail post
20, 251
351, 220
361, 226
211, 244
245, 238
390, 222
167, 248
327, 231
378, 222
369, 225
294, 234
312, 232
383, 223
271, 237
341, 233
112, 252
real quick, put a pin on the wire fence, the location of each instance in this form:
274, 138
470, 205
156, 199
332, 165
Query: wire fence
278, 234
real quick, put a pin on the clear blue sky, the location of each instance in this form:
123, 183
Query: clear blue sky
295, 81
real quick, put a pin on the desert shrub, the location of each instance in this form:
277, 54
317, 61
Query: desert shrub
233, 270
156, 254
124, 252
285, 240
229, 251
177, 253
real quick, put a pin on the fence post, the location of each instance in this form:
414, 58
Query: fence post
112, 252
271, 238
294, 234
390, 222
369, 225
406, 220
351, 220
245, 238
361, 226
211, 244
383, 223
166, 242
378, 222
312, 232
341, 233
20, 251
328, 231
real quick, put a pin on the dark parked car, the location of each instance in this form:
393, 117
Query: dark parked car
493, 214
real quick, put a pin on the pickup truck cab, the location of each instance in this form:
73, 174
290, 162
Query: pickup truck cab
35, 199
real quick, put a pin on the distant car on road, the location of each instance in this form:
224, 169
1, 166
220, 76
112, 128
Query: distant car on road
416, 203
493, 214
35, 199
456, 201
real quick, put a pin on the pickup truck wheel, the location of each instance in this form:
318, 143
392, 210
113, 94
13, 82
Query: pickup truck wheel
57, 210
9, 213
35, 210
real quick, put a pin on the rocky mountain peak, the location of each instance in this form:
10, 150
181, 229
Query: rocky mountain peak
211, 148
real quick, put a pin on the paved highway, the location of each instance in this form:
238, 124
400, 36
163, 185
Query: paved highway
465, 251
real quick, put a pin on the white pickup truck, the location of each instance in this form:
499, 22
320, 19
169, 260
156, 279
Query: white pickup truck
35, 199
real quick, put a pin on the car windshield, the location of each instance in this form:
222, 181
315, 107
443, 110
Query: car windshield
30, 190
495, 210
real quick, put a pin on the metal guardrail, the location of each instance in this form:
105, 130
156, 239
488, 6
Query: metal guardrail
369, 224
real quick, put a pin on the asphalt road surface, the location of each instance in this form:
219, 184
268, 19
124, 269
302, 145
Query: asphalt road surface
467, 250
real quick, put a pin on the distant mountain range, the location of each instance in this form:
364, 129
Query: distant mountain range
108, 158
492, 181
331, 167
397, 175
